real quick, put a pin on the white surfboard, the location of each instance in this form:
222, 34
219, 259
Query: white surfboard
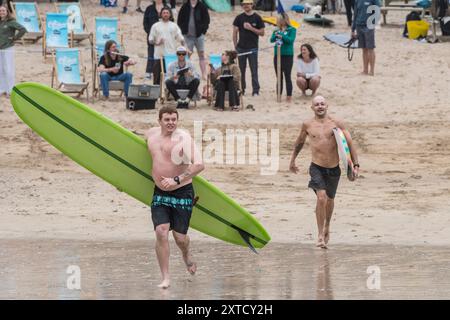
344, 153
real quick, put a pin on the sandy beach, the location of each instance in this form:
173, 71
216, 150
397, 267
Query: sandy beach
398, 120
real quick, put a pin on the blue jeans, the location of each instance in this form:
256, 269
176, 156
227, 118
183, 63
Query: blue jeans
253, 62
105, 78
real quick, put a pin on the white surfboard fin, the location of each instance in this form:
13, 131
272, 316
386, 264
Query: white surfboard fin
246, 237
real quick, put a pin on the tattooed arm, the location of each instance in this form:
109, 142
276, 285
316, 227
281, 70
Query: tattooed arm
297, 148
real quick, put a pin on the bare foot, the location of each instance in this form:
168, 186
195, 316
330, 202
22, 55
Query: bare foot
289, 99
191, 265
326, 235
364, 73
165, 284
321, 243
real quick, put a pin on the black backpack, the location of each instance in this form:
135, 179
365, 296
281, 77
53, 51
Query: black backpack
412, 16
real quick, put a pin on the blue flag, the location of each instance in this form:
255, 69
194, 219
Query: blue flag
280, 8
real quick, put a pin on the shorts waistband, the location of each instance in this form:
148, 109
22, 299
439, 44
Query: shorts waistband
177, 192
323, 168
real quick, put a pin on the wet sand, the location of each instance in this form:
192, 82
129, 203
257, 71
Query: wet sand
37, 269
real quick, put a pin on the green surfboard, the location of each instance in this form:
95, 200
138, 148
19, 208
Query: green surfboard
120, 157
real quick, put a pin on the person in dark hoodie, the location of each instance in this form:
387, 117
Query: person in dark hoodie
193, 20
10, 31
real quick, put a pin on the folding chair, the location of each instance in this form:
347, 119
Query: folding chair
28, 15
56, 33
165, 94
216, 61
67, 72
105, 29
76, 22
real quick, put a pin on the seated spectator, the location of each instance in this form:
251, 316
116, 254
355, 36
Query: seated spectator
227, 78
308, 69
182, 75
111, 66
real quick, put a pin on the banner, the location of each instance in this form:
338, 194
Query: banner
68, 66
75, 20
105, 29
56, 34
26, 15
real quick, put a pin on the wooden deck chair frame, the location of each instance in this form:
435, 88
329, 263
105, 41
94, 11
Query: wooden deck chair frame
71, 87
114, 85
45, 50
78, 37
211, 95
32, 37
164, 92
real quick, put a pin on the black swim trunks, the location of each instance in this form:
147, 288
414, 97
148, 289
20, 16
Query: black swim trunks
324, 179
174, 207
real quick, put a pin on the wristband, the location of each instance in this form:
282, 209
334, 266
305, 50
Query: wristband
356, 165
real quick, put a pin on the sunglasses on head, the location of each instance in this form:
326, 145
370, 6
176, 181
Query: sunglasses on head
181, 53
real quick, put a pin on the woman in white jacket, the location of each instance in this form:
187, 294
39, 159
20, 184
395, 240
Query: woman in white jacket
308, 69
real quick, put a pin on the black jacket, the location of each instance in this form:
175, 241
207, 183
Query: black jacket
201, 16
151, 16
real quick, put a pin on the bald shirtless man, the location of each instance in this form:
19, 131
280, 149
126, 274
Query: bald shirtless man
176, 161
324, 169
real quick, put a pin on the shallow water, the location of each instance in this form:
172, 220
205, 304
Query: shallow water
37, 269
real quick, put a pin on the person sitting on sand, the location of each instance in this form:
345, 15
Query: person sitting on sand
227, 78
324, 169
308, 69
173, 196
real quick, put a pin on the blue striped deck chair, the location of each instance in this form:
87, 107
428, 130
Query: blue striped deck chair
69, 74
56, 33
105, 29
76, 22
27, 14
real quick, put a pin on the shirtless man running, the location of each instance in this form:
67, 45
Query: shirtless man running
176, 161
324, 169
